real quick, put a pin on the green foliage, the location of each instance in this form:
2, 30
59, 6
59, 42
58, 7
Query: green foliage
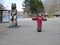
33, 6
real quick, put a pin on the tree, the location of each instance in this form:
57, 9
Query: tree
33, 6
26, 6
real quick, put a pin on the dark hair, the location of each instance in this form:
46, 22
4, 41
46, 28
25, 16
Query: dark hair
13, 6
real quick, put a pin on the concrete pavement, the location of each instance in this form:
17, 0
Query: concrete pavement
27, 34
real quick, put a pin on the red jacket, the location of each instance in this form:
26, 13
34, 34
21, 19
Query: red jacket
39, 20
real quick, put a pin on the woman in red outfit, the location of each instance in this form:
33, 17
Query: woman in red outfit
39, 20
